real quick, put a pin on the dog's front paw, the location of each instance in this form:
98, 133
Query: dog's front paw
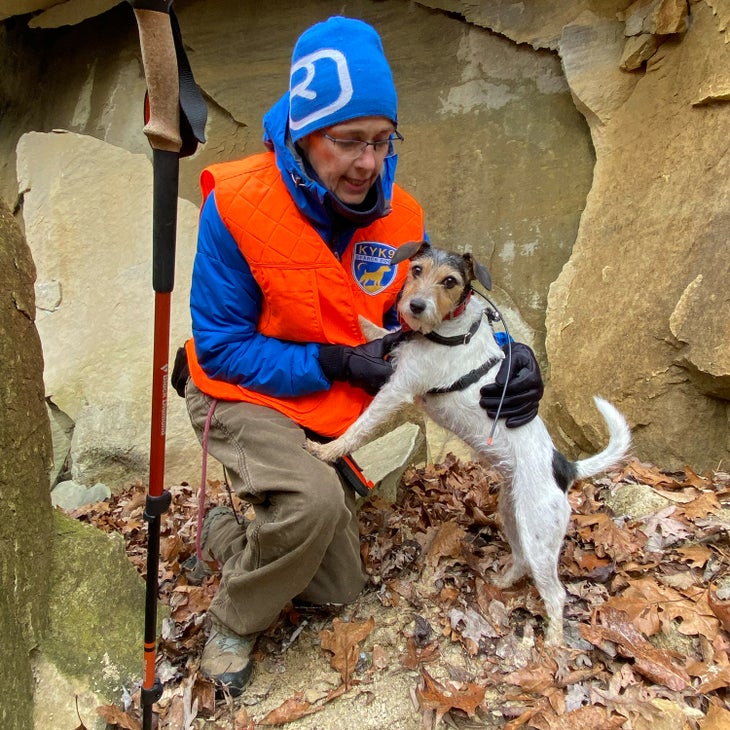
313, 447
325, 452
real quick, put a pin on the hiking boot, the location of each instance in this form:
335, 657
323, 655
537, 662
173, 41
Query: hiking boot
195, 570
223, 534
227, 659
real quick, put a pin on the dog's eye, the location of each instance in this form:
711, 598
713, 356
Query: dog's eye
416, 270
449, 282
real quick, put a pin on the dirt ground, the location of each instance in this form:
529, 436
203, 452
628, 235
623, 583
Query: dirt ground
432, 643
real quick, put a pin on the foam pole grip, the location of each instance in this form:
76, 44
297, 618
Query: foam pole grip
161, 74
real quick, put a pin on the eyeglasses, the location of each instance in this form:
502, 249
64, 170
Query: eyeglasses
351, 149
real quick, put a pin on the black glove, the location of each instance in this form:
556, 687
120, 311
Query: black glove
524, 389
364, 366
180, 372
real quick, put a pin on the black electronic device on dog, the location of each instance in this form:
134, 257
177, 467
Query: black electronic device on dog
351, 474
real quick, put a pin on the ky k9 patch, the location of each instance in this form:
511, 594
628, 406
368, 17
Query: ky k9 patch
371, 266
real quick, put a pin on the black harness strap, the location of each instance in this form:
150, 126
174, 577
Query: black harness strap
469, 379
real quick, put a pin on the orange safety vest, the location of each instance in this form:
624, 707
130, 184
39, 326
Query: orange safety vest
308, 295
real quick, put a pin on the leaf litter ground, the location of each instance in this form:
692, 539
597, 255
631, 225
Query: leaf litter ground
432, 643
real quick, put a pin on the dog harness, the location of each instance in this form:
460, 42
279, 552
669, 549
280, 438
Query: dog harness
471, 377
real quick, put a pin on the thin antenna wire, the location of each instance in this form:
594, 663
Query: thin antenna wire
501, 319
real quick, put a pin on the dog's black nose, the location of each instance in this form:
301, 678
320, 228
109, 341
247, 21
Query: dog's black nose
417, 306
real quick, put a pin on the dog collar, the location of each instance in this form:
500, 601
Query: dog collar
456, 339
459, 308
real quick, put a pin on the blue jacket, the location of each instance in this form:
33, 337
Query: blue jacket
225, 300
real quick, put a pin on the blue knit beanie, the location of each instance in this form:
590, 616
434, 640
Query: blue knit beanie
339, 72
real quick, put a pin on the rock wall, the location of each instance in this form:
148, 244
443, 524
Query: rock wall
25, 504
577, 148
641, 311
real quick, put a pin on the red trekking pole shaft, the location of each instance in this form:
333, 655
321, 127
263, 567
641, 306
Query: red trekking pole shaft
163, 132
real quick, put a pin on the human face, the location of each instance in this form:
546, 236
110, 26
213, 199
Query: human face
348, 179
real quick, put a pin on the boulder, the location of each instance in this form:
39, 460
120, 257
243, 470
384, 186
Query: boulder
88, 217
25, 506
639, 314
92, 652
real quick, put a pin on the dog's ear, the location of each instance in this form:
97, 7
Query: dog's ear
408, 251
479, 272
370, 330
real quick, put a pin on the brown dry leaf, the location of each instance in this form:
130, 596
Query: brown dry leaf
649, 661
446, 544
537, 678
343, 641
717, 718
651, 605
293, 709
175, 712
706, 504
115, 716
415, 656
696, 555
171, 547
523, 719
693, 479
619, 543
588, 561
716, 677
641, 611
594, 716
242, 721
650, 475
197, 601
432, 695
721, 609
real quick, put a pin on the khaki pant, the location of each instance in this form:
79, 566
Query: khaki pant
304, 542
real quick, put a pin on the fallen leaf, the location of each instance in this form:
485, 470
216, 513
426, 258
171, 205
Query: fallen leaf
649, 661
721, 609
242, 721
472, 627
416, 655
717, 718
380, 657
534, 678
706, 504
696, 555
292, 709
343, 641
617, 541
595, 717
447, 543
115, 716
432, 695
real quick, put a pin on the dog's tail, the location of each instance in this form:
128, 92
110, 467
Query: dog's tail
618, 444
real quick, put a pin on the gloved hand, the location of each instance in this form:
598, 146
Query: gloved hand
364, 366
524, 389
180, 372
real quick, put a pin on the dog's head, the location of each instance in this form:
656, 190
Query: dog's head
437, 284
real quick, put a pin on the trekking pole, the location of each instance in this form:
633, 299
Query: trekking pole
172, 98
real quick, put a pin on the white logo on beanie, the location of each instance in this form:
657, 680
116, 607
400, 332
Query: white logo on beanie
307, 88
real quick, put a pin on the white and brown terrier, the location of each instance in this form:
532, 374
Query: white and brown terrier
436, 303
